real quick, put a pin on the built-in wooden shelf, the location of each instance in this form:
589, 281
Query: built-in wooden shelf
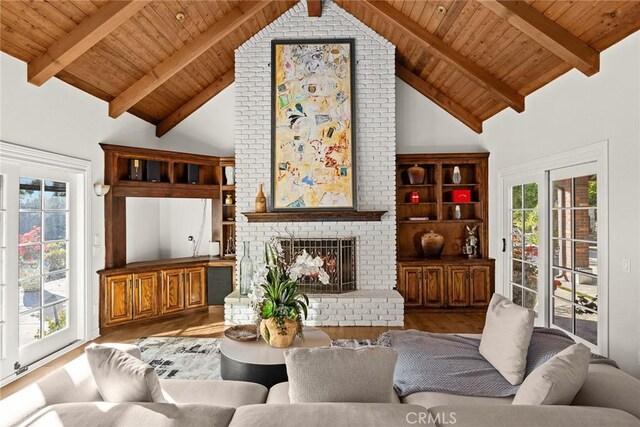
453, 281
314, 216
418, 204
164, 189
460, 203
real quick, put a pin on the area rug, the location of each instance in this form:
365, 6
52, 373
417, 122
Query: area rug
198, 358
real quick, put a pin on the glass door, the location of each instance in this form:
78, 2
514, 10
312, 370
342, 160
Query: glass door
43, 265
574, 236
39, 291
523, 248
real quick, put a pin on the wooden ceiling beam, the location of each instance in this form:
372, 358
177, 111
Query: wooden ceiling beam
547, 34
411, 29
314, 8
183, 57
439, 98
81, 39
196, 102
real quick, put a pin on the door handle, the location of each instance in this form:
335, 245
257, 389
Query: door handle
504, 245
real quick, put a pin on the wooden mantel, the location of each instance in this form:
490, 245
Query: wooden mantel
316, 216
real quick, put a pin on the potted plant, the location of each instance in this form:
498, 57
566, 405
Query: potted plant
274, 295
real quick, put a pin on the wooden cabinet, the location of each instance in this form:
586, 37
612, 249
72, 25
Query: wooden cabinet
173, 290
195, 287
480, 285
452, 198
410, 286
434, 286
446, 283
117, 299
145, 295
151, 290
458, 286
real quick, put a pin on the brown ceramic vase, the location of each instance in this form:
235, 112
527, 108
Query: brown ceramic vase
432, 244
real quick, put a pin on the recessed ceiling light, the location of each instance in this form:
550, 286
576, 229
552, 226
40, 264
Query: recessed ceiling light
442, 10
180, 16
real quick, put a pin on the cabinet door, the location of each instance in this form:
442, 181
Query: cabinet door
145, 295
457, 286
410, 286
117, 304
173, 290
195, 286
434, 286
480, 285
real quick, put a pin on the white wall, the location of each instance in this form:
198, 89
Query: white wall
179, 219
143, 229
424, 127
571, 112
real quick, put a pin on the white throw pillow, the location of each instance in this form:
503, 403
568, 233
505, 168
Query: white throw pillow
330, 374
121, 377
506, 336
558, 380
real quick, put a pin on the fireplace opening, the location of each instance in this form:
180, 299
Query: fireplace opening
339, 256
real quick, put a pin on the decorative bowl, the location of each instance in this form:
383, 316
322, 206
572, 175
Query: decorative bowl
242, 333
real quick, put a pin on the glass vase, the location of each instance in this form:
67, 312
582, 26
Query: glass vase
246, 270
457, 176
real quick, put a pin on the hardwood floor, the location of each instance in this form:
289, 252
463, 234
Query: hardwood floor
211, 324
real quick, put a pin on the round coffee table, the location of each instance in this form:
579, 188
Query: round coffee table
258, 362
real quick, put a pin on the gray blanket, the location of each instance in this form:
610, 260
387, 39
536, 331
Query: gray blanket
452, 364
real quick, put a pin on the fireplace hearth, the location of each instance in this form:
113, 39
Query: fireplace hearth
339, 256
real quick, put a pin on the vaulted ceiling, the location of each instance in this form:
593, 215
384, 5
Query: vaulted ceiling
162, 60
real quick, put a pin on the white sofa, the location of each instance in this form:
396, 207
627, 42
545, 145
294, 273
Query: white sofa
69, 397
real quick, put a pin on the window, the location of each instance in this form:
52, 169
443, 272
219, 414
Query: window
523, 264
574, 237
43, 242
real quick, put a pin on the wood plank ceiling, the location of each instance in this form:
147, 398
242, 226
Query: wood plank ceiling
162, 60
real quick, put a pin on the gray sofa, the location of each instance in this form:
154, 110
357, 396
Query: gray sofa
69, 397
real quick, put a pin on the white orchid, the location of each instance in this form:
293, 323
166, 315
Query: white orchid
306, 265
323, 276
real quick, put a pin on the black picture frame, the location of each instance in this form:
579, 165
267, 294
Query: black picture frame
352, 96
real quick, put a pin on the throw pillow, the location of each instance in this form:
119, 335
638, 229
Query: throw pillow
121, 377
558, 380
506, 336
330, 374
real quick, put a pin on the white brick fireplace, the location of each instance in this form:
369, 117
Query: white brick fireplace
375, 302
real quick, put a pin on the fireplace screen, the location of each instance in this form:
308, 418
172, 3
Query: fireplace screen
339, 256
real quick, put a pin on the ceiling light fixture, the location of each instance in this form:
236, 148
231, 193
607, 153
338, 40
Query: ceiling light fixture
180, 16
442, 10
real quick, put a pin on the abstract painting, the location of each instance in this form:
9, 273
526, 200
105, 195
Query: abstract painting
312, 127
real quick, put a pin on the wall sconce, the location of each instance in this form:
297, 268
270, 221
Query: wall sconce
101, 189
